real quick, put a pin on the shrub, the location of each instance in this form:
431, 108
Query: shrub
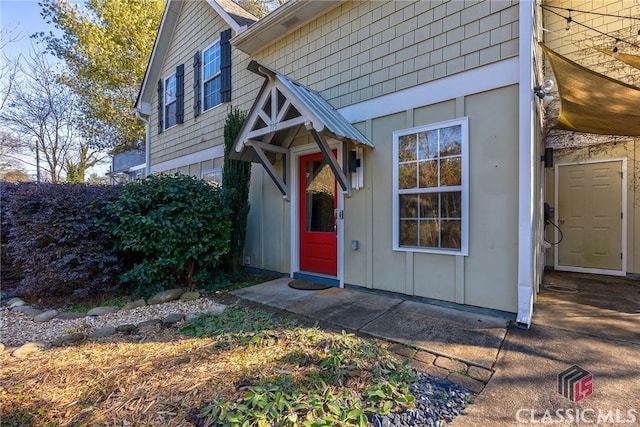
236, 178
8, 270
52, 238
175, 227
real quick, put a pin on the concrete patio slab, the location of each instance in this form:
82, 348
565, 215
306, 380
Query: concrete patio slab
344, 307
275, 293
523, 390
470, 337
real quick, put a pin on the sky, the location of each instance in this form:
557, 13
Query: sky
23, 18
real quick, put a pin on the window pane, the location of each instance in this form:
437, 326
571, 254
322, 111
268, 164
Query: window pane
170, 90
319, 196
409, 205
450, 172
428, 174
451, 205
170, 115
429, 234
407, 175
429, 205
428, 145
409, 233
407, 148
451, 141
212, 93
451, 232
211, 61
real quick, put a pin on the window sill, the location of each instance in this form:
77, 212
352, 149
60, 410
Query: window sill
431, 251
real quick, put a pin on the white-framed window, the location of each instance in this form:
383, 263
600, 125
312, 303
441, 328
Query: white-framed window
170, 104
213, 176
430, 188
211, 76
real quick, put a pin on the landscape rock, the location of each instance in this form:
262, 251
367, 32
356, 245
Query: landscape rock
70, 315
29, 348
68, 339
165, 296
21, 308
15, 302
32, 312
100, 311
102, 332
134, 304
190, 316
190, 296
127, 329
172, 319
149, 322
46, 316
12, 300
216, 309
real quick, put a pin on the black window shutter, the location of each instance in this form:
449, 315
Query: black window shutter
180, 93
160, 106
196, 84
225, 65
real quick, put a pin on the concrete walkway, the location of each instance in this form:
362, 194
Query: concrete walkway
520, 367
585, 320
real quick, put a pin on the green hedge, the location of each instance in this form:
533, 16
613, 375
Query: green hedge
175, 229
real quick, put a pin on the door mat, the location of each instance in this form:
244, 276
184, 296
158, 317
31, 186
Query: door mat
307, 286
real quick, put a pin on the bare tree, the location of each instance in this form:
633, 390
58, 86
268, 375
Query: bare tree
40, 112
11, 162
8, 67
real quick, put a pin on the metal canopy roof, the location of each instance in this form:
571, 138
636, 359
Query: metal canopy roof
283, 111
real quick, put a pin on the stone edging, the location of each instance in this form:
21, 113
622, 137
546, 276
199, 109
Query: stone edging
471, 377
42, 316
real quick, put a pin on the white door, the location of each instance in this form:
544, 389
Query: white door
590, 213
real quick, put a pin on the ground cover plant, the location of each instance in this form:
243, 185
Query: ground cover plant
244, 367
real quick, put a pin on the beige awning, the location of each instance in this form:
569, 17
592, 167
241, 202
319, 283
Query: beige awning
633, 60
594, 103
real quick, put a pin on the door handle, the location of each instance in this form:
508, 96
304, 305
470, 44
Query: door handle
561, 221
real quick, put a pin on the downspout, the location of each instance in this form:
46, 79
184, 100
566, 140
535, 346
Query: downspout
147, 147
526, 164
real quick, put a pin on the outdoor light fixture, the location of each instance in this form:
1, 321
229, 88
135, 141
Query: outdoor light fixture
567, 29
542, 91
615, 49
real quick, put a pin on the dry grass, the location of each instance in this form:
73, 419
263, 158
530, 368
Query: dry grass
163, 380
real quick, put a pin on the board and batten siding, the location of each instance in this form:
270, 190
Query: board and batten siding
362, 50
487, 275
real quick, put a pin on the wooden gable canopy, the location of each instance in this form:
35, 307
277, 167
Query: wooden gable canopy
283, 111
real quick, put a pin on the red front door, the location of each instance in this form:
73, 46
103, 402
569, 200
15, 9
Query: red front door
318, 201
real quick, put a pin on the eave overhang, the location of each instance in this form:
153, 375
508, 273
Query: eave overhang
281, 22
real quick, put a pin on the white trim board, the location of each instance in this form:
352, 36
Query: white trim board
294, 213
526, 165
488, 77
189, 159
